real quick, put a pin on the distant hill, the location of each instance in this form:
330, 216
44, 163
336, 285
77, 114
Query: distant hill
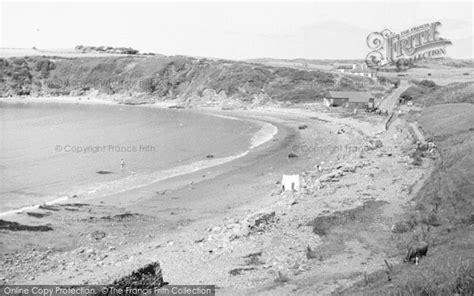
66, 52
305, 61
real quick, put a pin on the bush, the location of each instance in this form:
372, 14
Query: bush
19, 61
44, 66
427, 83
147, 85
400, 227
431, 219
3, 63
417, 157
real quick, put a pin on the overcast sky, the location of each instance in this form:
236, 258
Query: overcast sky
316, 30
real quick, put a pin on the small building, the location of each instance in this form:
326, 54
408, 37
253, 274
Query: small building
349, 99
344, 68
290, 182
364, 73
356, 69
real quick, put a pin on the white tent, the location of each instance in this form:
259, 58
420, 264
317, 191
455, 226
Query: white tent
290, 182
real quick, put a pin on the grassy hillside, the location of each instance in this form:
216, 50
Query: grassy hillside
426, 93
453, 93
443, 213
162, 78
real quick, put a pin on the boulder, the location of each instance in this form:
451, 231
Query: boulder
149, 276
259, 221
415, 251
97, 235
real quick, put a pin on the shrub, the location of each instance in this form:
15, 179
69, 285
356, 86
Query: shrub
431, 219
417, 157
147, 85
3, 63
400, 227
19, 61
427, 83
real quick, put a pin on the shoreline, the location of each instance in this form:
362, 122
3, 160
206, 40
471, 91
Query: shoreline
265, 134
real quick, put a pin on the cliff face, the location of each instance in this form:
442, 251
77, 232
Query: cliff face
162, 78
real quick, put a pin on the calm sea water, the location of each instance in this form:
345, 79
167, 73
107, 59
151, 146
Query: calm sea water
51, 151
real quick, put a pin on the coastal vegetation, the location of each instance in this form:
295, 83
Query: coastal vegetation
442, 209
162, 78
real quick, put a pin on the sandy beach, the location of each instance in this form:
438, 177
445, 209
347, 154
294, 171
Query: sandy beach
199, 224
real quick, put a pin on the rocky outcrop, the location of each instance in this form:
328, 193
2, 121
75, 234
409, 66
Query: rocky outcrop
149, 276
15, 226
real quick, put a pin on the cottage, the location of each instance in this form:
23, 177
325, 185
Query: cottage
349, 99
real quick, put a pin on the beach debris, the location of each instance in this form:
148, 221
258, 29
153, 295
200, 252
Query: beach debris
254, 258
120, 217
176, 107
240, 270
302, 127
378, 144
403, 226
209, 156
255, 222
259, 221
48, 207
331, 177
71, 209
200, 240
341, 170
282, 278
290, 182
38, 215
103, 172
292, 155
90, 252
389, 270
97, 235
340, 131
311, 254
15, 226
76, 204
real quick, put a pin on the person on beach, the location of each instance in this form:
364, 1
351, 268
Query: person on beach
122, 164
319, 168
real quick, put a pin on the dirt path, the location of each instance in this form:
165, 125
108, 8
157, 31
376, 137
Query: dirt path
391, 101
417, 132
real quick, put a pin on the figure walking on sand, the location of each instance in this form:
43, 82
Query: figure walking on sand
122, 164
